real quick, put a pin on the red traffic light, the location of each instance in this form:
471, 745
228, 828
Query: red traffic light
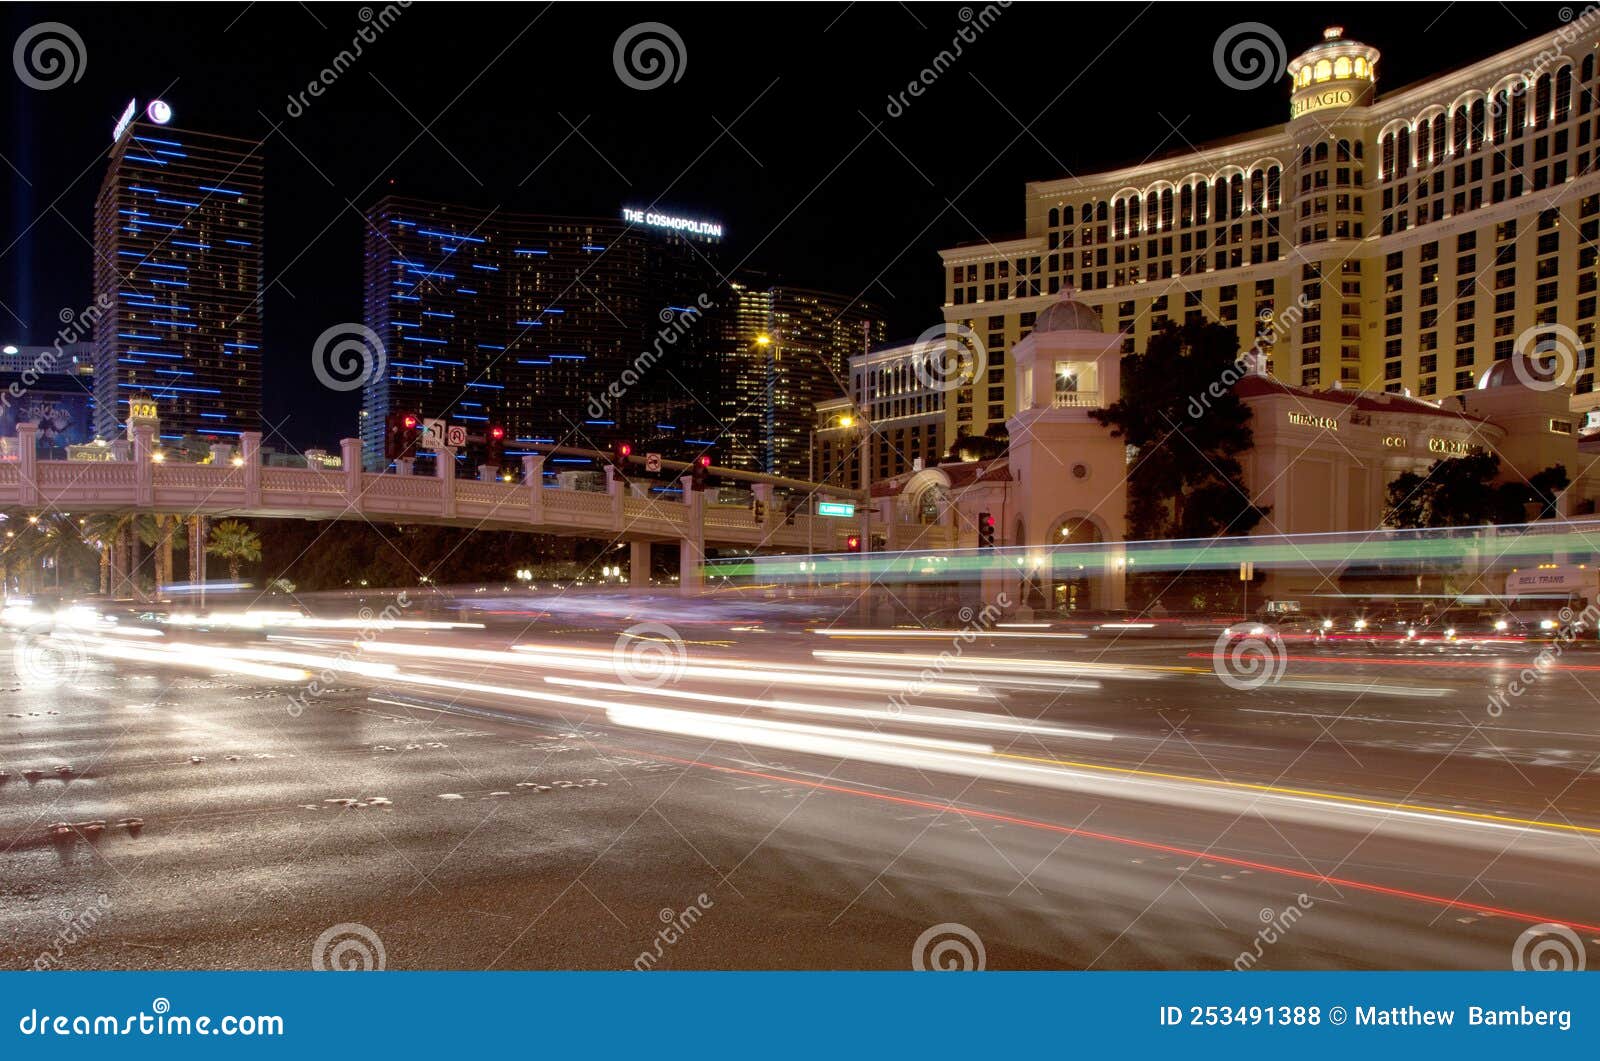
623, 449
703, 460
852, 544
497, 432
409, 421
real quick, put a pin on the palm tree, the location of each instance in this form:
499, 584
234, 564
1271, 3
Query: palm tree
234, 542
121, 530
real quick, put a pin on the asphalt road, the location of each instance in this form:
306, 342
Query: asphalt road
752, 804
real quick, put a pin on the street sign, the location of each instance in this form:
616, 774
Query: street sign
433, 434
844, 509
455, 436
652, 462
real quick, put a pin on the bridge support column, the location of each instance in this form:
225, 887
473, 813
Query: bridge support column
250, 453
28, 463
616, 486
533, 481
639, 564
444, 469
144, 468
692, 546
350, 457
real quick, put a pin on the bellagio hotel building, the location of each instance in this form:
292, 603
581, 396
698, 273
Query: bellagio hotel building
1395, 242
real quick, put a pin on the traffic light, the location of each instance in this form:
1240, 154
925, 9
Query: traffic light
985, 531
620, 452
697, 472
494, 445
410, 434
852, 544
401, 431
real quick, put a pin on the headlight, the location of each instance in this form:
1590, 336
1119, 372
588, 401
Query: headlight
1227, 631
1450, 632
1547, 624
1501, 624
1327, 624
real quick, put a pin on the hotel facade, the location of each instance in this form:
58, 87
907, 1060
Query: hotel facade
1399, 243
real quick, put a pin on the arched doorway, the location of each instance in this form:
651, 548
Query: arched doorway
1072, 575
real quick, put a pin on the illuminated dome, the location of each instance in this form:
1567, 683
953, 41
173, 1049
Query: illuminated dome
1067, 314
1527, 373
1334, 73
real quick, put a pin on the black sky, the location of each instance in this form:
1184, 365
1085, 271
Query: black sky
805, 187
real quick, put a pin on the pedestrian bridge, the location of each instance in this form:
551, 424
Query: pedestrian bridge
242, 487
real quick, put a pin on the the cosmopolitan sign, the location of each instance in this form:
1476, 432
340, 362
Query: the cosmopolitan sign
692, 226
158, 112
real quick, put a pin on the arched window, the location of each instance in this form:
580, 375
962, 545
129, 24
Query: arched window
1563, 104
1236, 195
1220, 200
1305, 155
1479, 108
1519, 114
1100, 210
1151, 205
1341, 66
1438, 139
1402, 152
1121, 217
1386, 170
1361, 66
1541, 102
1258, 191
1274, 188
1324, 70
1055, 218
1458, 132
1501, 112
1342, 151
1322, 151
1186, 206
1166, 208
1133, 214
1358, 149
1066, 215
1202, 192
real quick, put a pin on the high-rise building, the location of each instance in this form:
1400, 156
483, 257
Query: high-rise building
565, 330
1402, 242
787, 349
177, 239
891, 395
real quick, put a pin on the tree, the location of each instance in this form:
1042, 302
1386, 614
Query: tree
1186, 427
236, 543
1462, 492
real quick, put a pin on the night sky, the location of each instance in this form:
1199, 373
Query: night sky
807, 191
